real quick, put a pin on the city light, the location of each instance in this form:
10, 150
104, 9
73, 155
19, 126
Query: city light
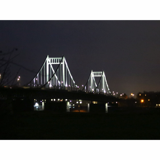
142, 100
94, 102
36, 105
18, 79
132, 94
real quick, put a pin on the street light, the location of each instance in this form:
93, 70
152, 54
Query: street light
18, 80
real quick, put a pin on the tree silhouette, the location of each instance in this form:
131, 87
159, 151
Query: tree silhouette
6, 59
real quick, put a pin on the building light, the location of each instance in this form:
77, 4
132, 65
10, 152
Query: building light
36, 105
142, 100
94, 102
139, 94
145, 94
148, 99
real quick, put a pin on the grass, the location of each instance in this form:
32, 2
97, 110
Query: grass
87, 126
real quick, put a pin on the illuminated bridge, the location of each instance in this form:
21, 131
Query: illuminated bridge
101, 87
55, 73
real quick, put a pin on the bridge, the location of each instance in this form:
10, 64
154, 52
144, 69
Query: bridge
54, 85
55, 73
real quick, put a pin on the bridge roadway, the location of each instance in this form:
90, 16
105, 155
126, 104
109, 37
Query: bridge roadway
38, 93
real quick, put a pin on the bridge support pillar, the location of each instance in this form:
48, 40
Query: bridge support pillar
68, 107
88, 107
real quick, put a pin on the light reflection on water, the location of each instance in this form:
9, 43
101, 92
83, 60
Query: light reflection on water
79, 110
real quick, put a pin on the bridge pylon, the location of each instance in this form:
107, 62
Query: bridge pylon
101, 86
49, 77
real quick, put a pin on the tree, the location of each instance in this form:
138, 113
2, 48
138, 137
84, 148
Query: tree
6, 59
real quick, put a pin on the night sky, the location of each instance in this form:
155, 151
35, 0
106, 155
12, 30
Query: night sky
128, 51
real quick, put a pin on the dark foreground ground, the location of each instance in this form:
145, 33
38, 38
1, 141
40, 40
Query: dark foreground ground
60, 126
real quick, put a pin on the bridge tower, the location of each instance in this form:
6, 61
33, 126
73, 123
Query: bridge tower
101, 86
47, 76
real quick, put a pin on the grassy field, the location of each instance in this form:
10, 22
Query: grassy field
60, 126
